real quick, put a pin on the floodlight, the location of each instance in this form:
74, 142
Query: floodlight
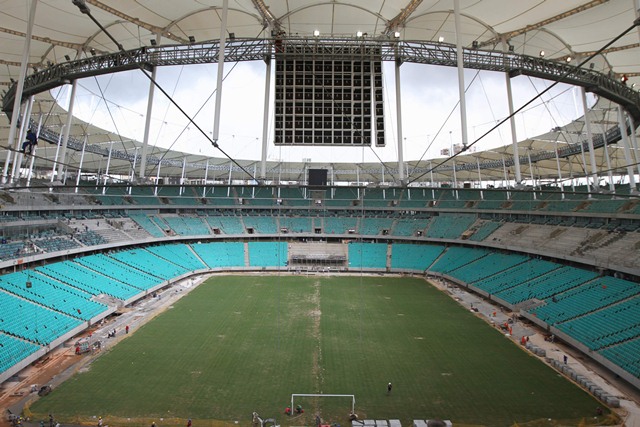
440, 39
569, 58
192, 39
396, 34
153, 42
316, 33
542, 53
475, 44
93, 51
67, 57
359, 34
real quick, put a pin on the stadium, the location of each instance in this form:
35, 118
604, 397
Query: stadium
376, 213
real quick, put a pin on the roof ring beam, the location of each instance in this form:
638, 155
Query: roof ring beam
267, 16
151, 28
398, 21
563, 15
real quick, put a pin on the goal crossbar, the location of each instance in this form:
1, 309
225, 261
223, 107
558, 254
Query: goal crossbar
352, 396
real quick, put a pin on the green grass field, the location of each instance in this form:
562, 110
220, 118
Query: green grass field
238, 344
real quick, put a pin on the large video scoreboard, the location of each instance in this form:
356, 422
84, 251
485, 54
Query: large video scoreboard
328, 94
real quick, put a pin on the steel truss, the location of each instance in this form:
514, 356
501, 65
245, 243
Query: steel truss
389, 49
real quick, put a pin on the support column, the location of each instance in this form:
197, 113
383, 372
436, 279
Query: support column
585, 168
55, 159
18, 155
455, 179
19, 88
132, 176
67, 129
34, 150
460, 63
431, 173
333, 189
506, 180
384, 190
184, 168
612, 186
399, 123
147, 120
533, 178
106, 171
479, 178
592, 154
253, 184
559, 171
573, 185
84, 147
514, 136
223, 39
627, 152
634, 142
155, 190
206, 176
229, 182
265, 119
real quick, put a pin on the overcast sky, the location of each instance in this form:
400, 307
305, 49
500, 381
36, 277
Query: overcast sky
429, 95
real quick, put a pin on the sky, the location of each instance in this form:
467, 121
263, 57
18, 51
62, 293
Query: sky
430, 115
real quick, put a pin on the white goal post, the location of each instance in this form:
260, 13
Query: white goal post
352, 396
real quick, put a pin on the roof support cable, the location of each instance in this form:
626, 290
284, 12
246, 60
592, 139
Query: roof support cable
560, 79
81, 4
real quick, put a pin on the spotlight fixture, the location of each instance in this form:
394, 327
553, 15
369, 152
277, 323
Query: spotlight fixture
192, 39
396, 34
232, 36
624, 79
153, 42
592, 65
633, 85
93, 51
542, 54
475, 44
67, 57
316, 33
359, 34
440, 39
569, 59
512, 48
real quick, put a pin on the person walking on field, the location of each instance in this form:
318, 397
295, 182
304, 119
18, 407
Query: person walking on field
389, 387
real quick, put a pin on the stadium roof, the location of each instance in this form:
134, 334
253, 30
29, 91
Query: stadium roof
561, 29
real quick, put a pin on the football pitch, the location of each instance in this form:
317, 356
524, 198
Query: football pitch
238, 344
